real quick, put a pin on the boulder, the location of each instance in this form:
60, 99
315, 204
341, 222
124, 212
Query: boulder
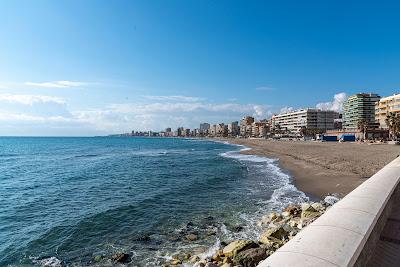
250, 257
274, 235
194, 259
307, 211
318, 206
191, 237
294, 222
236, 246
175, 262
97, 258
293, 209
120, 257
211, 264
307, 207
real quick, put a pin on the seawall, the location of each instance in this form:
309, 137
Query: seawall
349, 233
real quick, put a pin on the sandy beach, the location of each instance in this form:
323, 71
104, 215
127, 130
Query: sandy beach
321, 168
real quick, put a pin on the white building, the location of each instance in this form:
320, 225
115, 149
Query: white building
309, 118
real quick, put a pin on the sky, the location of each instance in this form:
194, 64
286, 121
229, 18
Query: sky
82, 68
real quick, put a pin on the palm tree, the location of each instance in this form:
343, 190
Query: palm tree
362, 125
393, 122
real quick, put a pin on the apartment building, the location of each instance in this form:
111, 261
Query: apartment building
358, 107
246, 126
384, 106
260, 129
310, 118
233, 128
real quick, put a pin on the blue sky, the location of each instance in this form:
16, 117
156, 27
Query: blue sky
99, 67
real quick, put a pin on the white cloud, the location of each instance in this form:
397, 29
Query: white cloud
46, 113
56, 84
336, 104
265, 88
286, 109
29, 99
25, 106
173, 98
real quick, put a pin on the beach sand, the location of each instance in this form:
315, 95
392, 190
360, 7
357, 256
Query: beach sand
322, 168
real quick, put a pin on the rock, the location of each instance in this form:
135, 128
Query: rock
191, 237
250, 257
294, 222
173, 238
121, 257
238, 228
285, 214
307, 211
194, 259
97, 258
318, 206
175, 262
211, 264
274, 235
307, 207
142, 238
236, 246
227, 260
211, 232
273, 215
201, 263
293, 210
330, 200
227, 265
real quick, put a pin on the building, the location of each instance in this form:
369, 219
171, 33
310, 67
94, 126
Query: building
213, 130
221, 129
204, 128
168, 132
384, 106
246, 126
309, 118
233, 128
359, 107
259, 129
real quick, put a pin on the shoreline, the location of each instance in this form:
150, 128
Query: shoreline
321, 169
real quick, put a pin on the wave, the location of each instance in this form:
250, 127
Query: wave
284, 192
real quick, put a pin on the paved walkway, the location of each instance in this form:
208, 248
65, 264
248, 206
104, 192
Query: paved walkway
387, 252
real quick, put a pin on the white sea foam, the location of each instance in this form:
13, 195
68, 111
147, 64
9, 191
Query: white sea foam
211, 250
49, 262
284, 192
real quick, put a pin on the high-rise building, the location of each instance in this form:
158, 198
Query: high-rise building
204, 128
260, 129
213, 130
384, 106
359, 107
233, 128
309, 118
246, 126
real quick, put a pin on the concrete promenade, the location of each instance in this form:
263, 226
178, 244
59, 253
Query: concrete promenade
362, 229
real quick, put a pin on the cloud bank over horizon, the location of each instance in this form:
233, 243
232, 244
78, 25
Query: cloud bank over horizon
54, 116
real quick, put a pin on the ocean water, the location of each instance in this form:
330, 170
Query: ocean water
77, 201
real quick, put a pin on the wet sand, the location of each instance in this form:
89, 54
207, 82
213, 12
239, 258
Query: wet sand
322, 168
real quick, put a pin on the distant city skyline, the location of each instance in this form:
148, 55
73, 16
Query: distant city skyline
98, 67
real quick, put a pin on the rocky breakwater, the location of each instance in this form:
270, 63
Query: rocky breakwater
277, 229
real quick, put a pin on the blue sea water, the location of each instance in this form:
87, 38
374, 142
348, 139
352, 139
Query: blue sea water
77, 201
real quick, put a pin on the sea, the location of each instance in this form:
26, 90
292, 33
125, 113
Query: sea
77, 201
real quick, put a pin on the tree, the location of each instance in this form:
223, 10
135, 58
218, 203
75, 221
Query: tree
362, 125
393, 122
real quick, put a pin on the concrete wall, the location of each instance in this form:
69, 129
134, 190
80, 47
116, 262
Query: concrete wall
347, 233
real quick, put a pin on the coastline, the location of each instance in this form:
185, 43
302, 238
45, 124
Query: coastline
321, 169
